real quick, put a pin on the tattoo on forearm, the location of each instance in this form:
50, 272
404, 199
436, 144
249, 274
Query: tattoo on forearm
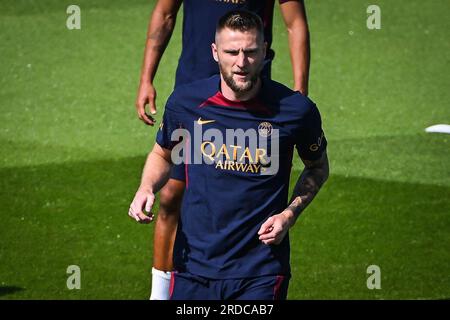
295, 205
311, 180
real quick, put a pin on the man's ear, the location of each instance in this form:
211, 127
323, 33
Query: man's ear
214, 52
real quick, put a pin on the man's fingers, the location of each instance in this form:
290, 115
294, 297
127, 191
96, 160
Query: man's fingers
152, 106
272, 232
142, 201
132, 214
140, 217
147, 119
143, 218
151, 96
272, 240
136, 208
269, 241
266, 226
267, 236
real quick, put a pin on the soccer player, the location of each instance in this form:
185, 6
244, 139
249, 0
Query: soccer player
232, 239
196, 62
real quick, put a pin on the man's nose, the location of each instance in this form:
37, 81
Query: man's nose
241, 59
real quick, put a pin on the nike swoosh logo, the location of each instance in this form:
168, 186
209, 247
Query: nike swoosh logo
200, 121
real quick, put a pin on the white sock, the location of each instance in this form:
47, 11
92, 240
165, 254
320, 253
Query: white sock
160, 285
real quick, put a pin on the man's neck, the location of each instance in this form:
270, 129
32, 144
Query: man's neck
228, 93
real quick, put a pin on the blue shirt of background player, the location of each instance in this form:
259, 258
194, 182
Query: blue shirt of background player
199, 26
223, 210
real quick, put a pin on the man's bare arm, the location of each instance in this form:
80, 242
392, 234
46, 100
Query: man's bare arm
294, 15
155, 175
308, 184
274, 229
160, 28
157, 169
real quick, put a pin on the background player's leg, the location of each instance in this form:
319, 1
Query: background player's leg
170, 199
171, 196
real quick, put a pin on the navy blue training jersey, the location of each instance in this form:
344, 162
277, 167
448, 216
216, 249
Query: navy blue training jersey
237, 185
199, 26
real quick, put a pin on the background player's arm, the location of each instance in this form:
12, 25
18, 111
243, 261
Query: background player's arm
155, 174
294, 15
160, 28
308, 185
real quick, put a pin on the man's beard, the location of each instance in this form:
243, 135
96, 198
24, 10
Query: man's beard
228, 77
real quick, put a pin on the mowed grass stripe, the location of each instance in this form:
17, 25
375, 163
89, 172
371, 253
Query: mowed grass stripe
76, 214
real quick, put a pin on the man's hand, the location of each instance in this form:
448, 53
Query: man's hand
142, 200
155, 175
146, 95
275, 228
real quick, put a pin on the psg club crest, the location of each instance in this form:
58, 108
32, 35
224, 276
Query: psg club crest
265, 129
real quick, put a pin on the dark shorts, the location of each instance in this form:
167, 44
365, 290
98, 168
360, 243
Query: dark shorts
179, 171
186, 286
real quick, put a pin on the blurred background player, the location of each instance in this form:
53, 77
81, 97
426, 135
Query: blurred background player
200, 19
232, 239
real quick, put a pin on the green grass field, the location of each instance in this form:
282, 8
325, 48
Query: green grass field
72, 150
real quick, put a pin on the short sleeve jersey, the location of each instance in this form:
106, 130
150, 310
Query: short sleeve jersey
238, 159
